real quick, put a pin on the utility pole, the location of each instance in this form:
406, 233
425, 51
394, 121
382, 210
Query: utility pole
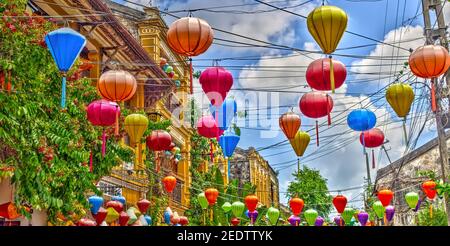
432, 35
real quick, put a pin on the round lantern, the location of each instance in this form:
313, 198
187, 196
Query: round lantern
316, 105
216, 82
296, 205
320, 77
190, 36
207, 127
251, 201
289, 124
371, 139
361, 120
211, 195
430, 62
339, 203
385, 196
159, 140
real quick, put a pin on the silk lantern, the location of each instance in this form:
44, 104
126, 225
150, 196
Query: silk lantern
225, 113
363, 217
316, 105
372, 138
237, 208
390, 211
226, 207
338, 220
112, 215
201, 198
159, 140
235, 221
296, 204
190, 36
429, 188
65, 45
362, 120
412, 198
216, 82
273, 215
253, 215
339, 203
100, 216
86, 222
289, 124
299, 143
184, 221
400, 96
148, 219
228, 142
385, 196
320, 77
430, 62
123, 218
327, 24
347, 215
117, 86
251, 201
311, 216
207, 127
120, 199
135, 126
319, 221
116, 205
211, 195
143, 205
95, 203
102, 113
379, 209
294, 220
170, 182
133, 218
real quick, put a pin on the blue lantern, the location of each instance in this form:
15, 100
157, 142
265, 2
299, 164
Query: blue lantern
95, 202
228, 142
119, 198
65, 45
167, 217
224, 114
361, 120
148, 219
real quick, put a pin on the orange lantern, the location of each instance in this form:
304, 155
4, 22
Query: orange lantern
9, 211
211, 195
429, 188
117, 86
251, 201
190, 36
290, 123
385, 196
169, 183
430, 62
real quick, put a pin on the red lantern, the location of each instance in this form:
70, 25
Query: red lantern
385, 196
290, 123
86, 222
316, 105
183, 221
235, 221
9, 211
429, 188
170, 182
208, 128
103, 113
159, 140
118, 206
339, 203
319, 77
296, 205
216, 82
143, 205
251, 201
100, 216
123, 218
211, 195
371, 139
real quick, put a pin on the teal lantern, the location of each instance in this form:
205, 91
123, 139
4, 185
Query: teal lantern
65, 45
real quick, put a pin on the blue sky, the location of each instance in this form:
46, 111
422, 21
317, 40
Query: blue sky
345, 167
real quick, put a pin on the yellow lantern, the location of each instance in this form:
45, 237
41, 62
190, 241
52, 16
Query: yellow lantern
327, 24
135, 126
299, 143
400, 96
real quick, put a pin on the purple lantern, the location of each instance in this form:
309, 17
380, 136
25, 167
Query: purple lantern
252, 216
390, 211
319, 221
363, 217
338, 220
294, 220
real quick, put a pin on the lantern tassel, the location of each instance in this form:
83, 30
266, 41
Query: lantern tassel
431, 210
317, 133
433, 96
404, 131
212, 215
211, 150
63, 92
228, 164
328, 111
116, 129
332, 75
373, 159
298, 167
103, 143
90, 162
190, 75
139, 145
385, 220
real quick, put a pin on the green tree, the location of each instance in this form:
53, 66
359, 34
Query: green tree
310, 186
438, 218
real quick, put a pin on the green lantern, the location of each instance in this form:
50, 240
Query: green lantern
201, 198
311, 216
169, 69
347, 215
379, 209
412, 198
132, 215
237, 208
226, 207
273, 214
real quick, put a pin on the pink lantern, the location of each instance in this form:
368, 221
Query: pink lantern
102, 113
216, 83
207, 127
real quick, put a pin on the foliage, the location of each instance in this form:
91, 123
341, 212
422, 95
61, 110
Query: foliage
439, 217
47, 147
310, 186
